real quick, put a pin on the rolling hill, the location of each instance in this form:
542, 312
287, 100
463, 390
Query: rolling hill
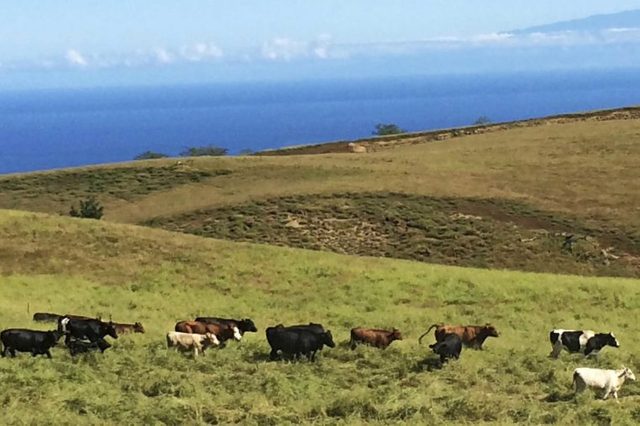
129, 273
498, 196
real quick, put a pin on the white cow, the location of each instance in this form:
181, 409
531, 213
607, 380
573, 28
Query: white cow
609, 380
191, 342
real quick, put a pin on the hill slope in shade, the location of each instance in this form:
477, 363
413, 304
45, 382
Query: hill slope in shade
132, 273
579, 174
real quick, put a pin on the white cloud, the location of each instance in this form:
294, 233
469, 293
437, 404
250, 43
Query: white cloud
162, 55
286, 49
201, 51
76, 58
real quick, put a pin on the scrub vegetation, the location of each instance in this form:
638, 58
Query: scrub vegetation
130, 273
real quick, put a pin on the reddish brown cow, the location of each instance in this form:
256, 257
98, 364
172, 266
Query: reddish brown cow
128, 328
472, 336
374, 337
223, 332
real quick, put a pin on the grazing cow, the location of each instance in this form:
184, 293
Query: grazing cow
122, 328
185, 342
22, 340
86, 329
223, 332
46, 317
297, 342
583, 341
80, 346
472, 336
374, 337
244, 325
609, 380
449, 346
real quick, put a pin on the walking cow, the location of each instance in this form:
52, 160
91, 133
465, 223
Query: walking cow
23, 340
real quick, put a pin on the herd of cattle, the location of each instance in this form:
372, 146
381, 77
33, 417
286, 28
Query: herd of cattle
84, 334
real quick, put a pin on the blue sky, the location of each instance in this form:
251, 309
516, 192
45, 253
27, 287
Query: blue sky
114, 41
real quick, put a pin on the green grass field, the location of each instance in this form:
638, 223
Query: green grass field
50, 263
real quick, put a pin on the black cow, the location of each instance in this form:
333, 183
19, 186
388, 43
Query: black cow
244, 325
86, 329
46, 317
312, 327
584, 341
34, 341
296, 342
449, 347
80, 346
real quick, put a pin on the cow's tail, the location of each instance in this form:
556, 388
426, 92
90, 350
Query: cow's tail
426, 332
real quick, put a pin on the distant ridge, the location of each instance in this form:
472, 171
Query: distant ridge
622, 20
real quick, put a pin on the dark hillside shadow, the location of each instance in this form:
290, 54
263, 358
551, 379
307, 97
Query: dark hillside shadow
559, 397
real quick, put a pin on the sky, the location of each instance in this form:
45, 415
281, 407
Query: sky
104, 42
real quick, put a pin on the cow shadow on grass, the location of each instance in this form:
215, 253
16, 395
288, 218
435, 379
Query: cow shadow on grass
556, 396
429, 363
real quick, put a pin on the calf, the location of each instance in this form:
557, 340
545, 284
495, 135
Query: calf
582, 341
609, 380
450, 346
185, 342
128, 328
46, 317
34, 341
80, 346
296, 342
374, 337
472, 336
222, 331
244, 325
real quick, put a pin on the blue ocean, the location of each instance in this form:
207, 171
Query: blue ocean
61, 128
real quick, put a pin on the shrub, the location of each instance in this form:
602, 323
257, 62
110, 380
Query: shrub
150, 155
483, 119
89, 209
209, 150
383, 129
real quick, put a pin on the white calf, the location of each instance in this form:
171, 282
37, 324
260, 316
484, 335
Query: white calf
609, 380
191, 342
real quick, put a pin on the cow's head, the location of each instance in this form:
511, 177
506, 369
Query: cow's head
211, 339
327, 339
138, 328
627, 374
395, 334
246, 325
490, 330
612, 341
109, 329
55, 335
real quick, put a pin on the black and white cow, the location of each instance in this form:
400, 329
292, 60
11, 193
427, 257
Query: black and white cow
586, 342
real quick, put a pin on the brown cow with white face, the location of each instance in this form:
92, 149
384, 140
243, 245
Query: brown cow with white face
472, 336
374, 337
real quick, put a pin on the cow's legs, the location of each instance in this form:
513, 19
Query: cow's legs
556, 349
48, 354
273, 355
606, 393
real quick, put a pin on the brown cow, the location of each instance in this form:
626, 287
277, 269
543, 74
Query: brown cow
472, 336
374, 337
222, 332
128, 328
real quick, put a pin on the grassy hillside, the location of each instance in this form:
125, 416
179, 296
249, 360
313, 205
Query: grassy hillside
133, 273
582, 173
